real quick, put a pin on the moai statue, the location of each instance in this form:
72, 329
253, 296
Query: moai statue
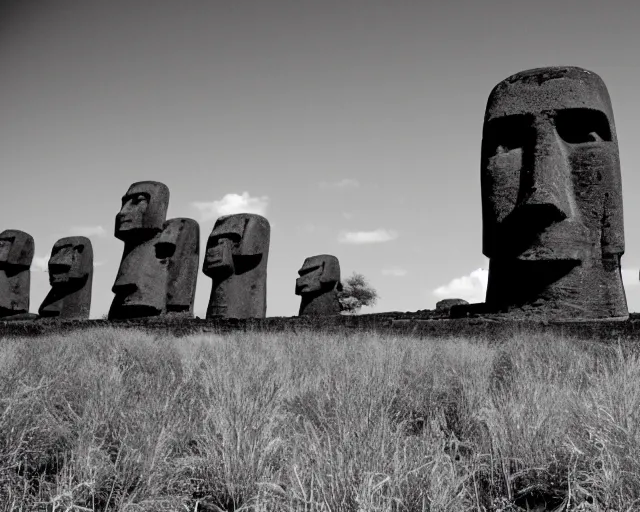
16, 255
179, 243
70, 276
318, 285
552, 197
141, 283
236, 261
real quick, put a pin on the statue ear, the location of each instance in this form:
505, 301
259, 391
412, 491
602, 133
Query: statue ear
330, 270
255, 239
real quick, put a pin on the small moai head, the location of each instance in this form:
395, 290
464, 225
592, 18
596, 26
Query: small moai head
179, 242
71, 261
236, 245
550, 171
552, 195
143, 212
318, 274
16, 249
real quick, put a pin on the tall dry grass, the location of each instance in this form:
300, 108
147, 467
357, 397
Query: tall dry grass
121, 420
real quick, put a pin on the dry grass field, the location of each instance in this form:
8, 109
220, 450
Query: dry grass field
122, 420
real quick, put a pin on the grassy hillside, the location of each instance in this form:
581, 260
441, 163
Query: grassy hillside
109, 419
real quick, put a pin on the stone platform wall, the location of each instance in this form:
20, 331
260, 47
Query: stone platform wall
423, 325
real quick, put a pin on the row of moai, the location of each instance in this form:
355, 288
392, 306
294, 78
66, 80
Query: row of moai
159, 267
551, 211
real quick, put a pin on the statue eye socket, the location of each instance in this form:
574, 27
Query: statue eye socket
233, 237
165, 250
139, 199
582, 125
507, 133
308, 270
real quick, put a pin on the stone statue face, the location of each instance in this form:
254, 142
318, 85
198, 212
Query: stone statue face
16, 248
234, 241
144, 209
550, 171
180, 243
318, 273
71, 260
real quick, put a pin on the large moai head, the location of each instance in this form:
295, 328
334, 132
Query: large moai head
16, 255
179, 242
236, 260
318, 285
141, 283
552, 196
70, 277
143, 212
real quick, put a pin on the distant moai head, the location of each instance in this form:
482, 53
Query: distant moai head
16, 249
70, 276
71, 261
179, 242
143, 212
318, 285
236, 244
16, 255
141, 283
236, 260
552, 195
318, 274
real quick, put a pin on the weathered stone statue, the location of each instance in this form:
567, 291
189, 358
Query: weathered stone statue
318, 285
141, 283
16, 255
236, 261
70, 276
552, 197
179, 242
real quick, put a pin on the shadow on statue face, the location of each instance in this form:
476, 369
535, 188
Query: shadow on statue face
551, 178
66, 263
318, 273
218, 259
309, 280
131, 216
143, 211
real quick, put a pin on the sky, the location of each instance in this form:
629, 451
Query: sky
354, 126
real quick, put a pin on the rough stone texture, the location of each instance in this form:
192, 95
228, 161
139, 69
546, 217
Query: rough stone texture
318, 285
236, 261
180, 243
443, 307
141, 283
594, 334
16, 255
552, 198
70, 277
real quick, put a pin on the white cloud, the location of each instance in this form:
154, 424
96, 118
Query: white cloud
98, 263
471, 288
345, 183
394, 271
87, 231
230, 204
367, 237
41, 263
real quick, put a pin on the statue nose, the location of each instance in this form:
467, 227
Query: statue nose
546, 183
